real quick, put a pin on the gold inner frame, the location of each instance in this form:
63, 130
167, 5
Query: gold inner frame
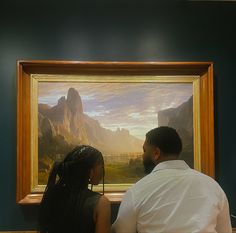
35, 78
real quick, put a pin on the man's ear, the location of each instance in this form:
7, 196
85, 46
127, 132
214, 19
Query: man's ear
156, 154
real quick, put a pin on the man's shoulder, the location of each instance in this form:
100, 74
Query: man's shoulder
207, 180
141, 184
203, 176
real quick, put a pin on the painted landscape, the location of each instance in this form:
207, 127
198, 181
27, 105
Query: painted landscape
113, 118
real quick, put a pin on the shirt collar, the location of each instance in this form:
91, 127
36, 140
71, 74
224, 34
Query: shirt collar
171, 164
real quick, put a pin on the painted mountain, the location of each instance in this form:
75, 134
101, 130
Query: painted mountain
181, 118
65, 125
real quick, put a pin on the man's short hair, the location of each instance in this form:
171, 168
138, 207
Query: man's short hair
166, 139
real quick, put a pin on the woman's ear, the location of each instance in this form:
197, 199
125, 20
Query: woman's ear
91, 174
96, 174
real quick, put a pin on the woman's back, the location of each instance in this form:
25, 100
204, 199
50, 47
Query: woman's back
72, 215
68, 206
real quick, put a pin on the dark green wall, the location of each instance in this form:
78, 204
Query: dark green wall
116, 31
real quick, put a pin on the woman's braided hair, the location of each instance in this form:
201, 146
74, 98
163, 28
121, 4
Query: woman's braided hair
64, 194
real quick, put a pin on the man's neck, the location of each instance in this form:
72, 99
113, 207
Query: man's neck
167, 158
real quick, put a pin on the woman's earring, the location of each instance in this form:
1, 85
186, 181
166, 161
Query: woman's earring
91, 185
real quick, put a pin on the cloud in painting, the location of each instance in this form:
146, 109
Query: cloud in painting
133, 106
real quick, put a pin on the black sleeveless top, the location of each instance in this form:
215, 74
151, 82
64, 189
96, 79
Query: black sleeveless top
88, 211
83, 222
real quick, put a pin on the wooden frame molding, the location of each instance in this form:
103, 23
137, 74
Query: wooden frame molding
234, 231
203, 122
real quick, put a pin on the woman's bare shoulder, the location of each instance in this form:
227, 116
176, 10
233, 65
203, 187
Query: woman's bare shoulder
102, 216
103, 201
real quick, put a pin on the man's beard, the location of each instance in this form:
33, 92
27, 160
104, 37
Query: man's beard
148, 165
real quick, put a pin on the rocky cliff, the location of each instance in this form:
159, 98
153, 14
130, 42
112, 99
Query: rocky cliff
181, 118
66, 123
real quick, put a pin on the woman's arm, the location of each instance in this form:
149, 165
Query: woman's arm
103, 216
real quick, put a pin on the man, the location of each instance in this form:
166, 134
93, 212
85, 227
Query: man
173, 198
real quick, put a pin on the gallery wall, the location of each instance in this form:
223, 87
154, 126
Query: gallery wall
116, 31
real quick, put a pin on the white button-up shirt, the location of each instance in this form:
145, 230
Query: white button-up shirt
174, 198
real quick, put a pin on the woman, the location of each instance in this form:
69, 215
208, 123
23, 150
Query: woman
68, 206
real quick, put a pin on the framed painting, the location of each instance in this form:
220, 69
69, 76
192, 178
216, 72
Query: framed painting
110, 106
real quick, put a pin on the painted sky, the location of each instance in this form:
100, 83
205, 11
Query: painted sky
133, 106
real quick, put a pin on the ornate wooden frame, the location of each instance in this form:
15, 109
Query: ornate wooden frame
202, 80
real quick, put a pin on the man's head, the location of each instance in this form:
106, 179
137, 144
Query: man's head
161, 144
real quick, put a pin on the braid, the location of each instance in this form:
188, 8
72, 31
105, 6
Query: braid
46, 203
64, 195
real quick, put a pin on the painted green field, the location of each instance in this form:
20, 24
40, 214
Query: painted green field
115, 173
123, 173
